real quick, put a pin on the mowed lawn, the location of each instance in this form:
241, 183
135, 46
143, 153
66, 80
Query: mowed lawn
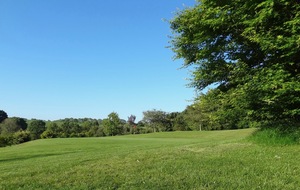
174, 160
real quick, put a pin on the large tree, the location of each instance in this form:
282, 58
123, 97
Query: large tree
250, 48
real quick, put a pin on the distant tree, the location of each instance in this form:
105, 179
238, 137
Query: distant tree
204, 112
66, 128
132, 124
21, 137
112, 125
12, 125
172, 120
48, 134
179, 123
157, 120
141, 124
3, 115
86, 125
21, 122
53, 130
131, 119
6, 140
36, 128
53, 126
71, 128
95, 131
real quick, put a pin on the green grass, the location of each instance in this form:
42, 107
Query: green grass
276, 137
175, 160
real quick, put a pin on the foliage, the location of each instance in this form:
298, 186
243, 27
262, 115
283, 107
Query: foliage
36, 128
250, 51
48, 134
3, 115
131, 127
219, 110
6, 140
177, 122
21, 122
15, 138
131, 119
70, 128
202, 114
53, 130
112, 125
96, 131
277, 98
21, 137
12, 125
157, 120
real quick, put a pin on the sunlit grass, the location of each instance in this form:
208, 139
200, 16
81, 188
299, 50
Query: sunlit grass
175, 160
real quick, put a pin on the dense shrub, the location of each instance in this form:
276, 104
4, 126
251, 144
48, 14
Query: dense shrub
21, 137
48, 134
6, 140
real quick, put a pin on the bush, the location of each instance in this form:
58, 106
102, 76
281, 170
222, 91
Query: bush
144, 130
21, 137
48, 134
6, 140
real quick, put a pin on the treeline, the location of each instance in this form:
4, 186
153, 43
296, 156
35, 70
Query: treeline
15, 130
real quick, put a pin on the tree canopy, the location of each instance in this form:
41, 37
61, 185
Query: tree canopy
111, 125
157, 119
250, 50
36, 128
3, 115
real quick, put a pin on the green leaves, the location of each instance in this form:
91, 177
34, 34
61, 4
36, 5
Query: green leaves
3, 115
36, 128
250, 49
111, 125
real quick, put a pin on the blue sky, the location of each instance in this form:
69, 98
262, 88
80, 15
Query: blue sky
88, 58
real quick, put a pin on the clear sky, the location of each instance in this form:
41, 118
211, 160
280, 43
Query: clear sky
88, 58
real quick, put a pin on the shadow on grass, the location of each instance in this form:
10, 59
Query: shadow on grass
27, 157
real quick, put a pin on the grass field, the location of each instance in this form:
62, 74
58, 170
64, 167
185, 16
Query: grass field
175, 160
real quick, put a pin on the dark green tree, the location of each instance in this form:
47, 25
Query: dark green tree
36, 128
21, 122
21, 137
12, 125
95, 131
158, 120
71, 128
53, 130
177, 122
3, 115
251, 48
112, 125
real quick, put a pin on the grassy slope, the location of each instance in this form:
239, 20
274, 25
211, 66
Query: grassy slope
177, 160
